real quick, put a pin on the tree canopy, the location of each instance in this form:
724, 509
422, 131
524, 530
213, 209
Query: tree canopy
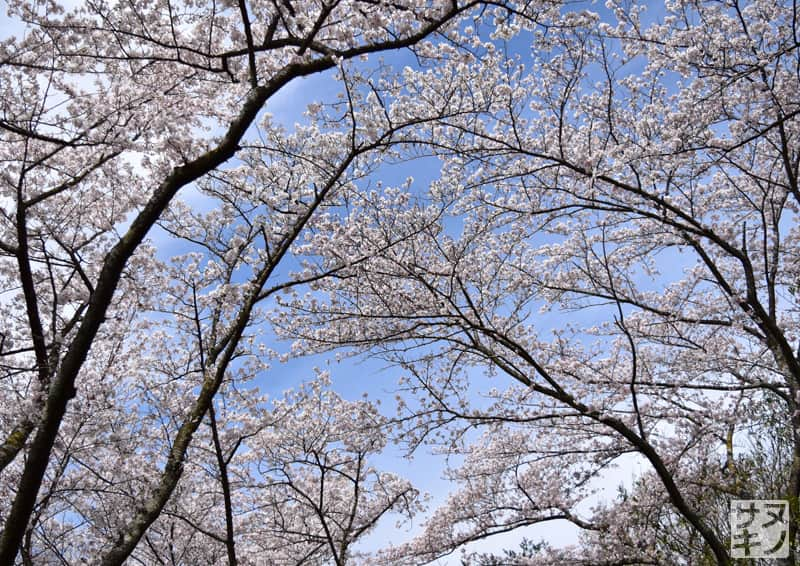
593, 256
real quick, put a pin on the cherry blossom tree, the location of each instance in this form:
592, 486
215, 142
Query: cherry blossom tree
302, 489
323, 493
116, 356
606, 267
613, 238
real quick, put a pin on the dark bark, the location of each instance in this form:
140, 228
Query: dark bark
224, 480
